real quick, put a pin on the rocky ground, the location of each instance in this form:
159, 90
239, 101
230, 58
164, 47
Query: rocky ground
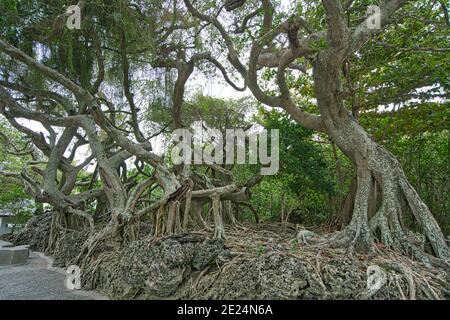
254, 262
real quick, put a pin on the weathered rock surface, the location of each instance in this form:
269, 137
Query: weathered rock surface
254, 264
35, 233
159, 268
68, 247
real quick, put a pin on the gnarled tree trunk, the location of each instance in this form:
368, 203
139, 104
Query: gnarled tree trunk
376, 168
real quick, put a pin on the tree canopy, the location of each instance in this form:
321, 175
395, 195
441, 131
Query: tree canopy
87, 115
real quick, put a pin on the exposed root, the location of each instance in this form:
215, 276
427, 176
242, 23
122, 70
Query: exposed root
251, 264
413, 278
381, 189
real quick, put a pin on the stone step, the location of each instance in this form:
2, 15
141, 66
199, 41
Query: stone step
5, 244
14, 255
25, 246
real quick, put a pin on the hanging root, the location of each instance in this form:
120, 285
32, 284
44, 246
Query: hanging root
168, 218
187, 210
61, 223
197, 215
108, 232
173, 211
54, 226
219, 230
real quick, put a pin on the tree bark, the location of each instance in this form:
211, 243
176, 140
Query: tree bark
375, 166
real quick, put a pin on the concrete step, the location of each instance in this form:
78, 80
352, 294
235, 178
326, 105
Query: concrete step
5, 244
14, 255
25, 246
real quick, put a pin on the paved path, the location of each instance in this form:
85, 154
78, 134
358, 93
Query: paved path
36, 280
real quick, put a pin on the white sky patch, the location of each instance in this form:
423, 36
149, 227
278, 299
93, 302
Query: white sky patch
36, 126
215, 87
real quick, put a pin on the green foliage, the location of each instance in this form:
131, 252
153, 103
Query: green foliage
218, 113
426, 161
260, 249
11, 193
304, 183
302, 160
